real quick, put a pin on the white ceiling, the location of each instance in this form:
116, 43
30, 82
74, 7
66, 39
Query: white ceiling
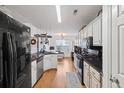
45, 18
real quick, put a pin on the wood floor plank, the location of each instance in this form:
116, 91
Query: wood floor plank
56, 78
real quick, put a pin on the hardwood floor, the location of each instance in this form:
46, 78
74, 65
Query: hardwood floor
56, 78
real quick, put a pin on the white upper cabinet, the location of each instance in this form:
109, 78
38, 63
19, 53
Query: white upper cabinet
85, 32
93, 29
97, 31
90, 30
82, 34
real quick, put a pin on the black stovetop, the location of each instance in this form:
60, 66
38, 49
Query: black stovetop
93, 60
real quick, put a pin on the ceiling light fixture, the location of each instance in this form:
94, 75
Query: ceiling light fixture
58, 13
75, 12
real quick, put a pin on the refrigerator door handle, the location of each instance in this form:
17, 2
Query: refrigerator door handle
10, 64
7, 60
14, 60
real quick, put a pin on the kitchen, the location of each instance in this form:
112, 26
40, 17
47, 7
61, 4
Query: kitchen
74, 44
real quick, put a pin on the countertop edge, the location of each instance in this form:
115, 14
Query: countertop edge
95, 67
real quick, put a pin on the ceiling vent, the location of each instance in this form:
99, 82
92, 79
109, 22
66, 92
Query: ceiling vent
75, 12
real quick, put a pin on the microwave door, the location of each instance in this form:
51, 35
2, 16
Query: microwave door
14, 60
7, 60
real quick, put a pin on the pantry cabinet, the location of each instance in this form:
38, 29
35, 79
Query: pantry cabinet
92, 78
97, 31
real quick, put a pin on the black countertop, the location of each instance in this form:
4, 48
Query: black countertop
35, 56
95, 62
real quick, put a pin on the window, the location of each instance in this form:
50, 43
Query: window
62, 43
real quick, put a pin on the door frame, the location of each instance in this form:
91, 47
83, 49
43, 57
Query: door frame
107, 45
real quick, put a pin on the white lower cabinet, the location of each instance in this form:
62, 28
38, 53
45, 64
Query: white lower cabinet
92, 78
94, 83
49, 61
33, 72
86, 74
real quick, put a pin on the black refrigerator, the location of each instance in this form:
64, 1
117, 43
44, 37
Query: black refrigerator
15, 53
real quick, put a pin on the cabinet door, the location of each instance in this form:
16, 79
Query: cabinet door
90, 30
54, 61
97, 31
46, 62
82, 36
85, 32
95, 73
94, 83
86, 74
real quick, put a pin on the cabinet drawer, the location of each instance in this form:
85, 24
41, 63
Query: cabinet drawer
95, 73
86, 64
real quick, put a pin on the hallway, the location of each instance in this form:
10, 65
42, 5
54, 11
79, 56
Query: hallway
56, 78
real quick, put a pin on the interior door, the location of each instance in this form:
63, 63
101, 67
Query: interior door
117, 77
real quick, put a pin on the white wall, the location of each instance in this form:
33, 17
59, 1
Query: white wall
34, 31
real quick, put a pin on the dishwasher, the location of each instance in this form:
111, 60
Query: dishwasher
39, 67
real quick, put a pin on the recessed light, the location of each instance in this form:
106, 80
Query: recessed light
75, 12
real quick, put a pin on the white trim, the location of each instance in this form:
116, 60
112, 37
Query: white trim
107, 44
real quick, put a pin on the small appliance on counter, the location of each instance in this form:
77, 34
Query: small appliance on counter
87, 42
